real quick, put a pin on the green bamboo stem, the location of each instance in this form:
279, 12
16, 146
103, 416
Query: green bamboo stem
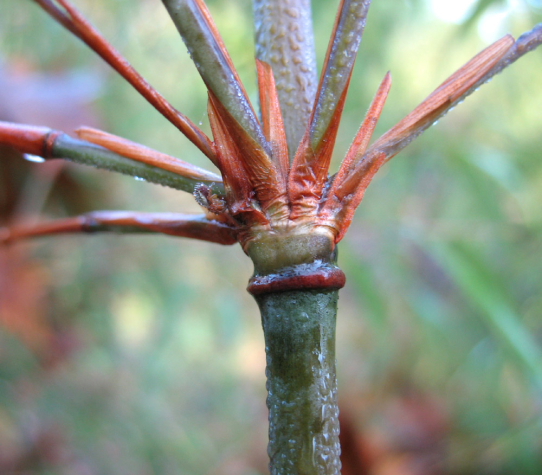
296, 284
299, 329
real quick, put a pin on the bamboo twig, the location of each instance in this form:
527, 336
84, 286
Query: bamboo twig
74, 21
206, 47
128, 222
51, 144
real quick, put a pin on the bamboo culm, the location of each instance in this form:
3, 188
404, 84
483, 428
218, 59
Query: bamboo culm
299, 329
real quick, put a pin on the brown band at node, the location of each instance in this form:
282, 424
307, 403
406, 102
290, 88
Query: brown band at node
49, 143
325, 277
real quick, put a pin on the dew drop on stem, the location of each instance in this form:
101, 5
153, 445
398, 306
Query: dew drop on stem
33, 158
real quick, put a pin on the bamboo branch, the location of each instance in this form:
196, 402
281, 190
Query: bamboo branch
74, 21
201, 37
127, 222
51, 144
451, 92
338, 66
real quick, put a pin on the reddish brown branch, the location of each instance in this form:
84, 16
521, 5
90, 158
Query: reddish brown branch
26, 138
76, 23
180, 225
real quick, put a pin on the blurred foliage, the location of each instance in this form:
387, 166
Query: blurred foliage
150, 357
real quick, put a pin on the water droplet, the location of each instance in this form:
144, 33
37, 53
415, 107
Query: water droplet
138, 178
33, 158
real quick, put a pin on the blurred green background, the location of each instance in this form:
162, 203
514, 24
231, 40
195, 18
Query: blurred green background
144, 354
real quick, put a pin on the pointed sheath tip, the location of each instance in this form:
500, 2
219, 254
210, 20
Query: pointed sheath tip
272, 120
357, 149
143, 154
388, 79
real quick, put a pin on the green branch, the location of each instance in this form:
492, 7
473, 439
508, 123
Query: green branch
86, 153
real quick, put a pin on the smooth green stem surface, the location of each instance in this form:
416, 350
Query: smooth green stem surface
299, 329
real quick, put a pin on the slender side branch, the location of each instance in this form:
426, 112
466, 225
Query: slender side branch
74, 21
127, 222
201, 37
340, 58
51, 144
452, 91
359, 145
285, 40
524, 44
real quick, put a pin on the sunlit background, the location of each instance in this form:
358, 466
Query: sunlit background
144, 355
